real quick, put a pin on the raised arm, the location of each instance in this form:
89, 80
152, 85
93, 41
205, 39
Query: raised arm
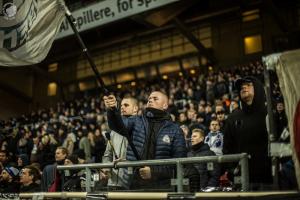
115, 121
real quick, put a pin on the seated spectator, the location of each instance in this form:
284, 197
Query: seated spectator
9, 180
4, 159
22, 161
234, 106
28, 179
214, 139
81, 156
221, 117
208, 178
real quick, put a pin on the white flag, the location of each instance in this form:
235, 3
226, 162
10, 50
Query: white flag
28, 29
288, 72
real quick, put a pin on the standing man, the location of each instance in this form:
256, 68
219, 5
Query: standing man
52, 179
154, 136
129, 107
246, 131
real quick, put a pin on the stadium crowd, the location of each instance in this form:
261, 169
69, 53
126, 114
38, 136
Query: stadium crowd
74, 132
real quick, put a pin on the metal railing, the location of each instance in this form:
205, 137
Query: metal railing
241, 158
162, 195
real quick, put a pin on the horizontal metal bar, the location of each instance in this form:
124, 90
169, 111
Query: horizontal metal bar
61, 195
156, 195
173, 161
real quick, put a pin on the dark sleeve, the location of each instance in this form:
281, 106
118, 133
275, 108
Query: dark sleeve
228, 138
230, 146
116, 122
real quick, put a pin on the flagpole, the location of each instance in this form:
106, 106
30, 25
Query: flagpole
72, 22
85, 51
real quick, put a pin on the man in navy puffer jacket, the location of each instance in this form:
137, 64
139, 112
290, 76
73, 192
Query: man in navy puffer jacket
154, 136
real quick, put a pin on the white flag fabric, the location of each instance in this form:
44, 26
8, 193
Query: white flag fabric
288, 72
28, 29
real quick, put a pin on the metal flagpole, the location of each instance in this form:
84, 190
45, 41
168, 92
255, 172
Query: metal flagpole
87, 54
85, 51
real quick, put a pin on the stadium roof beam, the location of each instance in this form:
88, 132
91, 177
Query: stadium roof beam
163, 16
189, 35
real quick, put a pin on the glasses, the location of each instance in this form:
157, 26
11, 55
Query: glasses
246, 84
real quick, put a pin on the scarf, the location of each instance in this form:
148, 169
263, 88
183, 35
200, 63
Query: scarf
156, 119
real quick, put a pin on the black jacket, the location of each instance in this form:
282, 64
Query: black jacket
246, 131
9, 187
33, 187
207, 177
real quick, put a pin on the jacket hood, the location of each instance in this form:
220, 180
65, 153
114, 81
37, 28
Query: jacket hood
259, 99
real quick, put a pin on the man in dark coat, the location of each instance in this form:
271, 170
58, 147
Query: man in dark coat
28, 177
154, 136
52, 179
207, 178
246, 131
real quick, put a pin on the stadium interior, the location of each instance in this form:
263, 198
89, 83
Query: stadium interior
192, 50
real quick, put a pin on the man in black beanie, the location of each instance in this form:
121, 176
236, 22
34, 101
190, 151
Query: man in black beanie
8, 180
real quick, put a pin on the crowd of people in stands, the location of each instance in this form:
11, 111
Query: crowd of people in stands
76, 131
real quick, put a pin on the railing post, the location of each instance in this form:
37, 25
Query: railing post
88, 179
179, 170
245, 172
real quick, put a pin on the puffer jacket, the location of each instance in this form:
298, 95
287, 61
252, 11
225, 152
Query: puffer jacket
170, 142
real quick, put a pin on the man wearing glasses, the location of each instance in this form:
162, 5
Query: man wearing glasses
246, 131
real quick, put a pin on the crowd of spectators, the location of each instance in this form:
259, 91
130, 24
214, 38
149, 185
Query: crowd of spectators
28, 143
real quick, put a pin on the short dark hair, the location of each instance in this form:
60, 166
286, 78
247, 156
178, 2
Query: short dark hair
33, 171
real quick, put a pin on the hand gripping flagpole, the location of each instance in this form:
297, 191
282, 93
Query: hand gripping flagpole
72, 22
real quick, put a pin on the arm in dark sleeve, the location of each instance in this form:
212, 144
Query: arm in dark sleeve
229, 147
116, 123
228, 139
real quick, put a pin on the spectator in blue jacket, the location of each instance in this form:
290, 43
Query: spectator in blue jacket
154, 136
